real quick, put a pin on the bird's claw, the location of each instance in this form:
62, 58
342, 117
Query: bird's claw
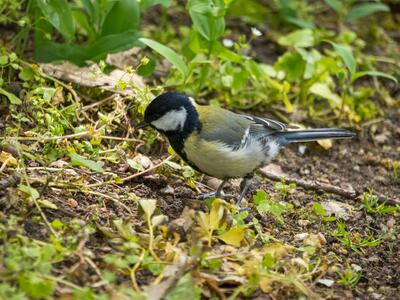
206, 196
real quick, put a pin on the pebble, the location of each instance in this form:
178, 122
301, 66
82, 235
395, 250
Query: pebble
72, 202
168, 190
303, 222
356, 168
356, 268
376, 296
326, 282
373, 258
302, 149
301, 236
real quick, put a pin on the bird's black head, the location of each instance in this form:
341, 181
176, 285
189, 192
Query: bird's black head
171, 112
174, 115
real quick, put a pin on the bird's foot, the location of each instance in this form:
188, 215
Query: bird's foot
222, 196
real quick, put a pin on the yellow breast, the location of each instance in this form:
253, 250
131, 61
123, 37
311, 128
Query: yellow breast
219, 160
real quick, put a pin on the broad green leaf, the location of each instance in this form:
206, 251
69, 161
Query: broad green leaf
83, 22
48, 51
346, 55
58, 13
3, 60
26, 74
148, 206
335, 4
11, 97
299, 38
29, 190
145, 4
373, 73
168, 53
77, 160
124, 16
251, 11
323, 90
208, 18
234, 236
292, 64
364, 10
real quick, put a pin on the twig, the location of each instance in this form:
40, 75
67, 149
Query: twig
158, 291
104, 196
324, 187
69, 136
146, 171
86, 107
134, 269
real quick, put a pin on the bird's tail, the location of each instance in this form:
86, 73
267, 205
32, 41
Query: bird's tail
296, 136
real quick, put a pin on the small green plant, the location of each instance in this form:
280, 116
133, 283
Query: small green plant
265, 204
350, 277
284, 188
354, 240
372, 205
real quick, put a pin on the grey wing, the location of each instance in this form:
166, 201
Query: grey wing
268, 124
237, 128
229, 132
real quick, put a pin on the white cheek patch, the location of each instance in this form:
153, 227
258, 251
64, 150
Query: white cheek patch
172, 120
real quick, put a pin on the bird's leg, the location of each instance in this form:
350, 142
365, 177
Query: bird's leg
217, 194
244, 186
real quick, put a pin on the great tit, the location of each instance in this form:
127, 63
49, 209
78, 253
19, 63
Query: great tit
223, 144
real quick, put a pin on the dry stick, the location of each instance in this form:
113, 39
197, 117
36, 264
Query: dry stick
324, 187
122, 180
69, 136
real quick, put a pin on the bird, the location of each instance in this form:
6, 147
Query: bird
221, 143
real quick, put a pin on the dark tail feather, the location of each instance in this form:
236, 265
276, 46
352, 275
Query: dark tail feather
308, 135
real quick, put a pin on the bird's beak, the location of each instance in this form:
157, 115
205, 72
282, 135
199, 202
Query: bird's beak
141, 124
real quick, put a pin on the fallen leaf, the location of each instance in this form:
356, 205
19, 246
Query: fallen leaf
148, 206
8, 159
326, 282
47, 203
234, 236
326, 143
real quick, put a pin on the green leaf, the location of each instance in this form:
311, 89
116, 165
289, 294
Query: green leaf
185, 289
168, 53
346, 55
364, 10
292, 64
35, 286
11, 97
208, 18
148, 206
26, 74
335, 4
323, 90
48, 51
319, 209
29, 190
3, 60
124, 16
58, 13
145, 4
82, 20
374, 74
77, 160
299, 38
